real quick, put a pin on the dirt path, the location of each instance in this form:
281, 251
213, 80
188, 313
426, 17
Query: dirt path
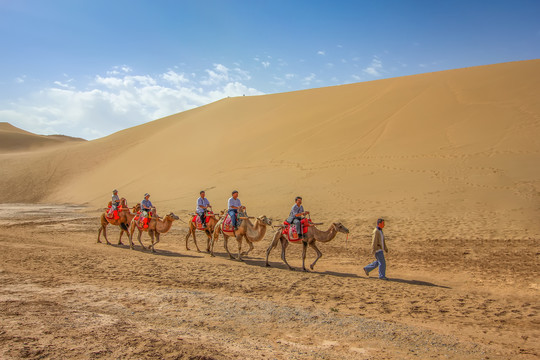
62, 295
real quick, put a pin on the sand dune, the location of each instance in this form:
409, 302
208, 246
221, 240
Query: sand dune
459, 144
13, 139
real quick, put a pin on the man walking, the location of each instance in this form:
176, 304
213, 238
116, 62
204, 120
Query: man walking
378, 246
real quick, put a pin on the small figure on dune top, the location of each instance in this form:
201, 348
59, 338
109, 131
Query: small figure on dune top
378, 247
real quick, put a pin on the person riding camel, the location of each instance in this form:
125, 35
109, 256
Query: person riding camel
296, 215
234, 206
115, 203
202, 205
146, 209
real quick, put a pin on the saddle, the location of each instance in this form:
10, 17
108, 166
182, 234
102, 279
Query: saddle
227, 225
197, 220
141, 221
290, 231
114, 214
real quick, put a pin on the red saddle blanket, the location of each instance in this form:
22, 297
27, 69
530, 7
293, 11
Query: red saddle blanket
227, 225
140, 221
114, 214
290, 231
197, 220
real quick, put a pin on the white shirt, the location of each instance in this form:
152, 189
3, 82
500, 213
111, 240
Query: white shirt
234, 202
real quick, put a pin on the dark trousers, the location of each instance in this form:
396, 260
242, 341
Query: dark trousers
203, 217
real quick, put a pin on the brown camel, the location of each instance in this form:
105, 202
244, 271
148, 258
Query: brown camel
310, 238
156, 226
125, 218
209, 230
252, 233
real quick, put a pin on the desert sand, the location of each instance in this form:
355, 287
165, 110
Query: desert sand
449, 159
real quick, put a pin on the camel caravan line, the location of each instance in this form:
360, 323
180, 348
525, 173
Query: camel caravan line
216, 224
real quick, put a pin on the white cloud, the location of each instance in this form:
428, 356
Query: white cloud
266, 64
113, 102
20, 79
320, 52
289, 76
308, 79
375, 68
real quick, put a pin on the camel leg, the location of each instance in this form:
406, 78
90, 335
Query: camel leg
187, 238
208, 240
239, 240
130, 235
105, 235
213, 240
99, 235
139, 238
151, 233
246, 253
120, 238
195, 240
225, 244
304, 250
284, 244
155, 243
272, 246
319, 254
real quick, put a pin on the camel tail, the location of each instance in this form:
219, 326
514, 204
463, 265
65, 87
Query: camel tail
124, 226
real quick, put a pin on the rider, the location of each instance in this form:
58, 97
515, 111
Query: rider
296, 216
234, 206
115, 202
146, 208
202, 205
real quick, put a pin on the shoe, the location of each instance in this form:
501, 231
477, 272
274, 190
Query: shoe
383, 278
367, 273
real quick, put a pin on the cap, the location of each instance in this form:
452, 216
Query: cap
380, 220
147, 194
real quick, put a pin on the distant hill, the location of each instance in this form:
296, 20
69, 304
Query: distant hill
457, 149
13, 139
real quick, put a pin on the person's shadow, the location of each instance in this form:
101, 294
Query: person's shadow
416, 282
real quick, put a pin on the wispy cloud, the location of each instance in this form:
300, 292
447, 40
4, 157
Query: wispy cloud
321, 52
120, 99
374, 69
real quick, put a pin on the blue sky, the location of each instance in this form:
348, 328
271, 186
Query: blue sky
91, 68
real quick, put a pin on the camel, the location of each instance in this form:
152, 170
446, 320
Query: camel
310, 238
209, 230
156, 226
252, 233
125, 218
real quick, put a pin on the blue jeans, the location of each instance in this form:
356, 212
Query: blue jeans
232, 214
380, 262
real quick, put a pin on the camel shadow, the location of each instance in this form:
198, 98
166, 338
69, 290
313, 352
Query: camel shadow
159, 252
417, 282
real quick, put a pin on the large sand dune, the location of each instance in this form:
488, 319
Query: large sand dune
434, 148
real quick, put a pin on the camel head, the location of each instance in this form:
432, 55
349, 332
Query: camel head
263, 219
340, 228
123, 202
172, 216
137, 207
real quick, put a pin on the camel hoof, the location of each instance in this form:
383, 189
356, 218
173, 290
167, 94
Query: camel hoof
311, 267
267, 265
212, 255
187, 249
305, 270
